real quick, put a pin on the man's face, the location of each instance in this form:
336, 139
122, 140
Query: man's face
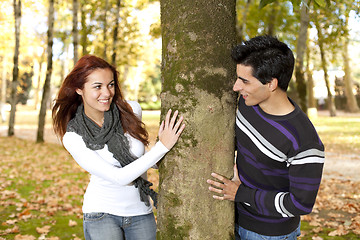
250, 88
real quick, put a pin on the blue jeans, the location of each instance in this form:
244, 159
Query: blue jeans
104, 226
243, 234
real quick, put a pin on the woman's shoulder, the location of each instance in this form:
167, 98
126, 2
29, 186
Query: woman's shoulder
136, 108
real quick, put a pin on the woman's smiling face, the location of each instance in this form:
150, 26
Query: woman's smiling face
98, 92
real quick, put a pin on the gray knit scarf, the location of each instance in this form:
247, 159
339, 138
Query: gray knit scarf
112, 134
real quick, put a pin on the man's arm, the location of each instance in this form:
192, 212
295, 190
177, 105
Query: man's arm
304, 179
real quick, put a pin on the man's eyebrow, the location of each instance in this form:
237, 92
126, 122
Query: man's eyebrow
241, 78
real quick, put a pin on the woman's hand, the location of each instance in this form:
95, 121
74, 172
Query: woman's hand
170, 130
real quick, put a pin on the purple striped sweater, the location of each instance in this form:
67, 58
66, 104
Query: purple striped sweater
280, 161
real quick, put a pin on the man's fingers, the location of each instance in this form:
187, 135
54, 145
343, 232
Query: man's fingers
215, 183
221, 178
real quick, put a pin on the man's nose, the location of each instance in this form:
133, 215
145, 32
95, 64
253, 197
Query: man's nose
237, 86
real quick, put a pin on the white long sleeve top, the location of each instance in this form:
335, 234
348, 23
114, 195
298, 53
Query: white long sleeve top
110, 189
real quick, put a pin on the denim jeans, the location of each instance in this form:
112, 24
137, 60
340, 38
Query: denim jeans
243, 234
104, 226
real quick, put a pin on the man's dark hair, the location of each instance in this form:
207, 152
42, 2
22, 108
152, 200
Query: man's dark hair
268, 57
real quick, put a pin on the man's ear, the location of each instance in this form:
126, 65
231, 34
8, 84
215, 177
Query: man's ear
273, 84
79, 91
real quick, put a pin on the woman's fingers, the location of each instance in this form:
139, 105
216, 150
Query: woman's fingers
167, 119
171, 129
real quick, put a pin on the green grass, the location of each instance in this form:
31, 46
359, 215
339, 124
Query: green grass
339, 134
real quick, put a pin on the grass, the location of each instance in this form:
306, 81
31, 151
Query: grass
41, 186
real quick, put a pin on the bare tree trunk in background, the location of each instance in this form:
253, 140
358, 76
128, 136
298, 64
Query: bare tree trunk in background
3, 91
312, 110
13, 99
46, 89
105, 29
300, 52
241, 26
197, 77
75, 31
116, 30
37, 89
351, 102
331, 101
272, 18
84, 29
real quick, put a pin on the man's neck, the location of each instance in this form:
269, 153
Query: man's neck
278, 104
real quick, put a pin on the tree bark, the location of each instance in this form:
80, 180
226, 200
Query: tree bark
300, 52
197, 77
13, 99
105, 29
351, 102
3, 90
116, 30
331, 100
84, 28
272, 18
46, 89
241, 26
75, 31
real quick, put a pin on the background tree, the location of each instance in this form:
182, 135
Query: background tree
47, 86
324, 63
116, 30
300, 53
75, 31
13, 100
197, 76
351, 102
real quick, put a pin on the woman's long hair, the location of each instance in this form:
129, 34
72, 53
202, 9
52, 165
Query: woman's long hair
68, 100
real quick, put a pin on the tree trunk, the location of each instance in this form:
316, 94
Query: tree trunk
105, 29
46, 89
351, 103
241, 26
116, 30
13, 100
75, 31
197, 77
3, 91
331, 101
272, 18
300, 52
37, 89
84, 29
312, 110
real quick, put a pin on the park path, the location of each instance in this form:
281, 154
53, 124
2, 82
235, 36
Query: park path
337, 165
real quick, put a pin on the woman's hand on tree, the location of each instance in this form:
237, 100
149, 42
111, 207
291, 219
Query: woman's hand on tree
170, 129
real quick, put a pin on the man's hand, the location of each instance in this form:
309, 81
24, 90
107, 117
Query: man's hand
224, 186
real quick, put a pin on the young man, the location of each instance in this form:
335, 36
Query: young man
280, 156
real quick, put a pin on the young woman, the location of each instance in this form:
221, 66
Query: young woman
106, 137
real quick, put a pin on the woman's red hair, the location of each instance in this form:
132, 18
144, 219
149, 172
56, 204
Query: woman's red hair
68, 100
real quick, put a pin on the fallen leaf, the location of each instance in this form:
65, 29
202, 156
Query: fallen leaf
24, 237
72, 223
339, 232
44, 229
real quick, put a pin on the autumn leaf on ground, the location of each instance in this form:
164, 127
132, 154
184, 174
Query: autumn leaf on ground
43, 230
24, 237
339, 232
72, 223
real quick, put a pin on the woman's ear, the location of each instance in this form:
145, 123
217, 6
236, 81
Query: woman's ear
79, 91
273, 84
